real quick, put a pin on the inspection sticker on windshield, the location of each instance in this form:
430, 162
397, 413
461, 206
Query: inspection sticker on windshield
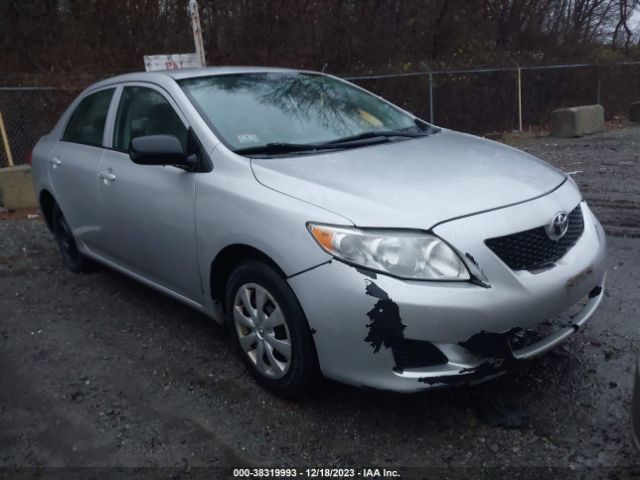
248, 138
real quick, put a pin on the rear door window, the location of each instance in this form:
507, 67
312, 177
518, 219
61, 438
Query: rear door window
144, 111
86, 124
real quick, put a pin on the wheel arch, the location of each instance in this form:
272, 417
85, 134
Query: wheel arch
47, 201
225, 262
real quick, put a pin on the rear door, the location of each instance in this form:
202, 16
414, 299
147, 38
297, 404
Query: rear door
149, 209
73, 165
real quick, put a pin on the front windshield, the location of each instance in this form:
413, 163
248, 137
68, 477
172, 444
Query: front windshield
257, 109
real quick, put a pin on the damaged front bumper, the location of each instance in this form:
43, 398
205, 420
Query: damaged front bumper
486, 355
380, 332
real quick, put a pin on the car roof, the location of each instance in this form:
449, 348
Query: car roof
161, 76
179, 74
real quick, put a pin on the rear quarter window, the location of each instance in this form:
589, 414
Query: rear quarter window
86, 124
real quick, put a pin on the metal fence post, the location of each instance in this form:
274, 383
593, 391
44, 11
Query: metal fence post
598, 85
430, 80
430, 97
519, 99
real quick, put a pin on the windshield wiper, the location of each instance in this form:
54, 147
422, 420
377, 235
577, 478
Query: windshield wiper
283, 148
353, 141
378, 133
277, 148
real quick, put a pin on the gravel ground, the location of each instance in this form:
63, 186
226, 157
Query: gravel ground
607, 168
98, 370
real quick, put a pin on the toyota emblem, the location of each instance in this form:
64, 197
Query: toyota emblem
558, 226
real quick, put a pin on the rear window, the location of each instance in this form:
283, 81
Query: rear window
86, 124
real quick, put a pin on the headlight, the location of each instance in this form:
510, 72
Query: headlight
401, 253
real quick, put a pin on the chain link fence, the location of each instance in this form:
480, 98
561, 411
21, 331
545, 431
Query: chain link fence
29, 113
481, 100
485, 100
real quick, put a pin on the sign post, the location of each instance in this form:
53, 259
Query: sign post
197, 30
181, 60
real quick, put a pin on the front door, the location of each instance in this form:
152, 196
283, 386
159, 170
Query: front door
149, 209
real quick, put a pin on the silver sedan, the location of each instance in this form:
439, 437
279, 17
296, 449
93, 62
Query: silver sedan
333, 232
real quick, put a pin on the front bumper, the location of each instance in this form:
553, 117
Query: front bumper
364, 324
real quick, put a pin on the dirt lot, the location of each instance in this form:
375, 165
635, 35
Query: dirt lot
607, 168
97, 370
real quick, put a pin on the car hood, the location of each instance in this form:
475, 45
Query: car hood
413, 183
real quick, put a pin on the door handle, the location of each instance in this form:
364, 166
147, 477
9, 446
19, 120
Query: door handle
56, 162
107, 176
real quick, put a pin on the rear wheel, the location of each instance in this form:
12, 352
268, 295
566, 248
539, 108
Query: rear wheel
270, 330
73, 259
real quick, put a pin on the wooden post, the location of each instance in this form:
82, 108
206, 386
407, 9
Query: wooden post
5, 141
197, 31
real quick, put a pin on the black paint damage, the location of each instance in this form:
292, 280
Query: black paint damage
494, 348
558, 324
490, 345
466, 375
367, 273
387, 330
477, 273
386, 326
595, 292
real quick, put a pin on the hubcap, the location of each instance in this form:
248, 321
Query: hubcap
262, 330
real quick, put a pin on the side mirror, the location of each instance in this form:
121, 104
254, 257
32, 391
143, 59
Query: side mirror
160, 150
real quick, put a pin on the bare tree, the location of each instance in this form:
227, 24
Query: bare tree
103, 36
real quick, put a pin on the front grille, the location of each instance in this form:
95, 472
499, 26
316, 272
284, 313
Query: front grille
533, 249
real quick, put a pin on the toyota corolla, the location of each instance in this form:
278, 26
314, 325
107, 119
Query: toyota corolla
333, 232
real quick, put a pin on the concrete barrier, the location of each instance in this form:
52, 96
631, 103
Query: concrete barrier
16, 187
577, 121
634, 112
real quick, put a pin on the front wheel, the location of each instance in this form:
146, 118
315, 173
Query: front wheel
73, 259
270, 330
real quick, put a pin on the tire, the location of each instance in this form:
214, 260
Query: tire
73, 259
257, 283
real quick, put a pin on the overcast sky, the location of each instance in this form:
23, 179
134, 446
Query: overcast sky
635, 20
